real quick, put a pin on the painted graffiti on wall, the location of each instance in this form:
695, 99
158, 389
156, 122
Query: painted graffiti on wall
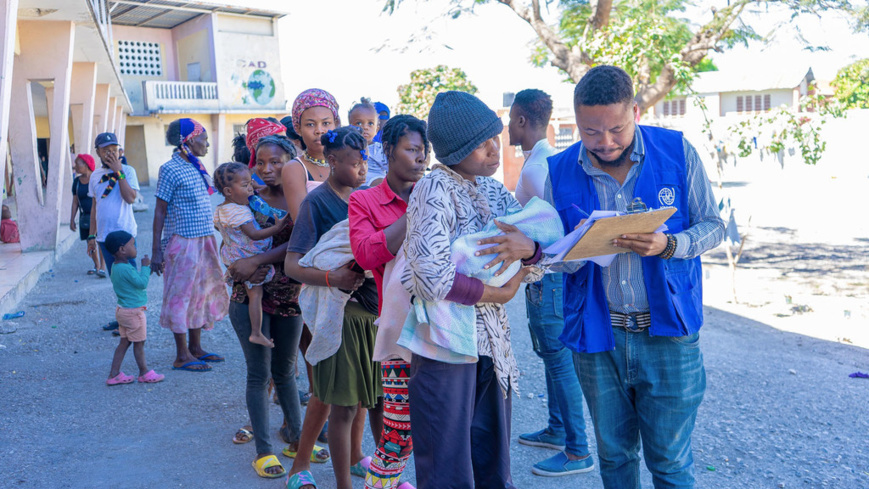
252, 84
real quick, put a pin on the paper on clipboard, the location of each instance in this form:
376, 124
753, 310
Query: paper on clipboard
593, 240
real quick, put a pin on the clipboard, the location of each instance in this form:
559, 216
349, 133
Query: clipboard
597, 241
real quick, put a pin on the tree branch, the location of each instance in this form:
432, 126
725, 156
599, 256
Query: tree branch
705, 39
572, 61
601, 16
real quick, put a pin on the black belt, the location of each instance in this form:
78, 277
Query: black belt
634, 322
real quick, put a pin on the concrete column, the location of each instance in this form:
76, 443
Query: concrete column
122, 129
8, 29
46, 54
116, 128
101, 112
219, 138
61, 168
110, 115
82, 97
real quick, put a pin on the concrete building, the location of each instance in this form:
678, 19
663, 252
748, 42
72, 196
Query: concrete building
60, 87
72, 69
735, 94
208, 61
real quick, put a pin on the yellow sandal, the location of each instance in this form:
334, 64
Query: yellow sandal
261, 464
314, 458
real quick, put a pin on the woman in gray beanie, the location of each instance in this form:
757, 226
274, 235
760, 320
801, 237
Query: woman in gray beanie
457, 198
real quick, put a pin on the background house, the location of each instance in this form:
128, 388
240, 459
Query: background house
209, 61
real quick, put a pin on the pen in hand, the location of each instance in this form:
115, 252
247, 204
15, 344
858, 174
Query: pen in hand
580, 210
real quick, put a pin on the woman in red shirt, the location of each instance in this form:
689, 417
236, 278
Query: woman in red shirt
378, 225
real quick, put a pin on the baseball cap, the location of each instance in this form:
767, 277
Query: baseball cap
106, 139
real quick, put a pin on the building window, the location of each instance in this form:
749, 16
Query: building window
138, 58
754, 103
673, 108
563, 138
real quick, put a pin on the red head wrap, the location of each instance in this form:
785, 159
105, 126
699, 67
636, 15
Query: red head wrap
88, 160
257, 129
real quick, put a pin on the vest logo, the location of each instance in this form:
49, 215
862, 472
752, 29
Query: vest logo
667, 196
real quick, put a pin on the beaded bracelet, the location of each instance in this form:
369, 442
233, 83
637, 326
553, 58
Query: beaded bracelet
670, 249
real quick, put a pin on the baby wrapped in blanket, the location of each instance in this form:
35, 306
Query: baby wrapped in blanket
445, 330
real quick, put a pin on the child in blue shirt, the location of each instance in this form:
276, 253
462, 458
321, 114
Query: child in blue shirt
131, 287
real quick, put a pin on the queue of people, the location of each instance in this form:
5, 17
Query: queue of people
393, 284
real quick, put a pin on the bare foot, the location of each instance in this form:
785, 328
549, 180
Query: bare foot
260, 339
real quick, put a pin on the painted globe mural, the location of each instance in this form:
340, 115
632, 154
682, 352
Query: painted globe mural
261, 86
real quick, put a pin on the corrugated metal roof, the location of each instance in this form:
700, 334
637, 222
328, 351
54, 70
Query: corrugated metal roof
167, 14
750, 81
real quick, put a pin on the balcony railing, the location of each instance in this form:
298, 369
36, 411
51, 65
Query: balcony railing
173, 96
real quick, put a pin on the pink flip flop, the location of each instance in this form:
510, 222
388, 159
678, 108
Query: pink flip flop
151, 377
119, 379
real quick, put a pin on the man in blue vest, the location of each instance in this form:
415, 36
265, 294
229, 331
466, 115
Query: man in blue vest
634, 325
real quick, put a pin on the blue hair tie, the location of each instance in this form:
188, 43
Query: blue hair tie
364, 154
332, 135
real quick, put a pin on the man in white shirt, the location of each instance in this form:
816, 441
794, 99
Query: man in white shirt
565, 431
113, 188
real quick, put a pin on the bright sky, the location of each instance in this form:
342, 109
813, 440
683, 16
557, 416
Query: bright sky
360, 51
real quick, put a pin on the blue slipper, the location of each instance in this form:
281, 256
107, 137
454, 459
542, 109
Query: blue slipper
303, 478
211, 357
558, 465
189, 367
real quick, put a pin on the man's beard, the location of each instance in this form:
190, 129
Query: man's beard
622, 158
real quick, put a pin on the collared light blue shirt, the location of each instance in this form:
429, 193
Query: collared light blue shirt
623, 279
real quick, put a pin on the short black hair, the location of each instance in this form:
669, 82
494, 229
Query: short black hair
173, 134
399, 126
342, 137
292, 135
279, 141
603, 85
364, 103
536, 104
240, 152
225, 174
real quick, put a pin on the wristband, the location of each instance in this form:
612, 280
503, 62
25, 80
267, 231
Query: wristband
670, 249
92, 236
327, 279
121, 175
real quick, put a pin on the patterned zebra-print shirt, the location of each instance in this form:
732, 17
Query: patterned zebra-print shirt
442, 207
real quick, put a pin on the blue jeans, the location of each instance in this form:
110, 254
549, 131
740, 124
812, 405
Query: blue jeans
648, 388
544, 304
109, 258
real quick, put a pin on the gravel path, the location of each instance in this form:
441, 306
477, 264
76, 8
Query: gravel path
780, 409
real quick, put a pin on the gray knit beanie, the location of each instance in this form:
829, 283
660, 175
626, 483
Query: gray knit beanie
458, 122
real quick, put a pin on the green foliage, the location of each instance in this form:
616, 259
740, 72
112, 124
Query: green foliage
417, 97
852, 85
780, 127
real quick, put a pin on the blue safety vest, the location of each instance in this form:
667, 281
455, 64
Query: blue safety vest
674, 286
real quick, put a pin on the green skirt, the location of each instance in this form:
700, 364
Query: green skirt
350, 377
